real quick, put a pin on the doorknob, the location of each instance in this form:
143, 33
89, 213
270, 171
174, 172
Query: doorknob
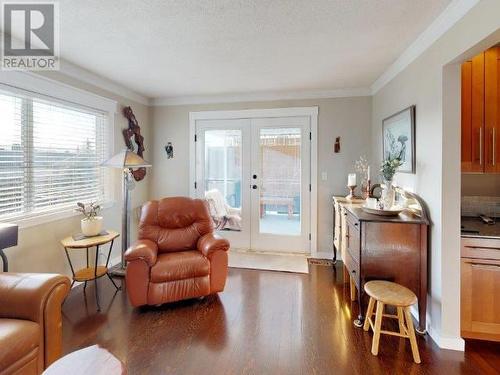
254, 176
254, 187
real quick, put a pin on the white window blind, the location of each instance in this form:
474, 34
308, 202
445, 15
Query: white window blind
50, 152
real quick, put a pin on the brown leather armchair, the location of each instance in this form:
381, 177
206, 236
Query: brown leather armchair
177, 255
30, 321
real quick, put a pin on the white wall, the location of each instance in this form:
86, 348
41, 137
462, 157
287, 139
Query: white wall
348, 118
437, 178
39, 249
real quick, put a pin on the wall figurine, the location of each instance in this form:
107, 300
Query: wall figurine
169, 149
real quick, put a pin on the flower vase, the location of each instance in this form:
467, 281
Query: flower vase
388, 195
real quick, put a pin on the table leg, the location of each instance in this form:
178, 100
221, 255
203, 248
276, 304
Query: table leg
361, 316
5, 261
70, 264
95, 278
107, 262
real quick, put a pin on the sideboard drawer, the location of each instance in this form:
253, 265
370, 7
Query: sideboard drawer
353, 240
353, 268
351, 218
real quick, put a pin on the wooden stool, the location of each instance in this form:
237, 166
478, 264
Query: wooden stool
388, 293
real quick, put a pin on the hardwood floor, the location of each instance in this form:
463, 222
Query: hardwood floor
263, 323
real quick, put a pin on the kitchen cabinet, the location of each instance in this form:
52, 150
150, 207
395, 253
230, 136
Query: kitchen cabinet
480, 288
480, 100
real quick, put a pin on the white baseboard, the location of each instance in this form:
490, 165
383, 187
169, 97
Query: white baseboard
322, 255
450, 343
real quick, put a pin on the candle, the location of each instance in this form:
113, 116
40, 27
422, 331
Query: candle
368, 173
351, 179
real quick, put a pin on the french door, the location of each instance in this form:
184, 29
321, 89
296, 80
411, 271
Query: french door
255, 174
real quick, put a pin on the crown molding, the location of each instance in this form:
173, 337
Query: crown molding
261, 96
445, 21
86, 76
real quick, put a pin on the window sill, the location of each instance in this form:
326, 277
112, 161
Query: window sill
39, 219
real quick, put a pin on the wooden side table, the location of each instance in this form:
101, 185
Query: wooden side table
90, 273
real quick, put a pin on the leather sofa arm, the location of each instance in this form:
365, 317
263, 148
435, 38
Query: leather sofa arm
145, 250
28, 295
37, 297
210, 243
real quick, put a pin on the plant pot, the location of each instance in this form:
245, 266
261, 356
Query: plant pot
92, 227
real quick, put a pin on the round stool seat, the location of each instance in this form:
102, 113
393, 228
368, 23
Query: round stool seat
390, 293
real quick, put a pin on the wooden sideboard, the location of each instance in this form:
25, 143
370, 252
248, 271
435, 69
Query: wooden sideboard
375, 247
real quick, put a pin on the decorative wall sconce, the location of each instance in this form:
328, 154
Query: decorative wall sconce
336, 147
169, 149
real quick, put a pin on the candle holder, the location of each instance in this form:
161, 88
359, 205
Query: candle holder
351, 192
367, 190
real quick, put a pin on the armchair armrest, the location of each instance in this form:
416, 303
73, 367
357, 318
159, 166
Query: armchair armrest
28, 295
145, 250
209, 243
37, 297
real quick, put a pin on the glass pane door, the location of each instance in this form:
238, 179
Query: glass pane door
280, 190
223, 176
280, 181
223, 159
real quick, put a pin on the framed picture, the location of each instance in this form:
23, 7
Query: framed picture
398, 137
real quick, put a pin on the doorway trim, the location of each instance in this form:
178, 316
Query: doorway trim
311, 112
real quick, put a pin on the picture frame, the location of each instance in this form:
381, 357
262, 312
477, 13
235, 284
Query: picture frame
398, 138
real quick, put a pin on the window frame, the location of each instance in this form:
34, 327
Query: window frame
37, 86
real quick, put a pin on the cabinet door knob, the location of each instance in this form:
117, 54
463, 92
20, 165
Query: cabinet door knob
254, 187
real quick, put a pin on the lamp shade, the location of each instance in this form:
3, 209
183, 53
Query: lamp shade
126, 159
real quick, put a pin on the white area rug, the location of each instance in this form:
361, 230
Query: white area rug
268, 261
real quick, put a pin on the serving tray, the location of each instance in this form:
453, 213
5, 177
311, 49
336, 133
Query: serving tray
376, 211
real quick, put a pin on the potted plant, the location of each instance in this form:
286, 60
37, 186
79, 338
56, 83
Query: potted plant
388, 169
91, 223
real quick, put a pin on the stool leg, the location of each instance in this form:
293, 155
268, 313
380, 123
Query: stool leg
411, 333
369, 313
376, 330
401, 320
352, 289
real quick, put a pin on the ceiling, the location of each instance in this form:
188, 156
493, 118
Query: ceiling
179, 48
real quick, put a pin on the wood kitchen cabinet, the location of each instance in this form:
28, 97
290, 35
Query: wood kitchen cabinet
480, 98
480, 288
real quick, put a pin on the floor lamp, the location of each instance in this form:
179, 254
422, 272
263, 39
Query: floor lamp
125, 160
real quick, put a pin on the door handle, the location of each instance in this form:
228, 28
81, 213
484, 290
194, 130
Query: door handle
485, 266
254, 176
254, 187
494, 146
480, 145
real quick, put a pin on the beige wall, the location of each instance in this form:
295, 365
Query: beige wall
39, 249
348, 118
434, 90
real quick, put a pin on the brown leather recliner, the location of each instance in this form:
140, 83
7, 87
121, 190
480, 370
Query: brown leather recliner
177, 255
30, 321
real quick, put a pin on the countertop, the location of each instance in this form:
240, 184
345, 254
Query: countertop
478, 229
